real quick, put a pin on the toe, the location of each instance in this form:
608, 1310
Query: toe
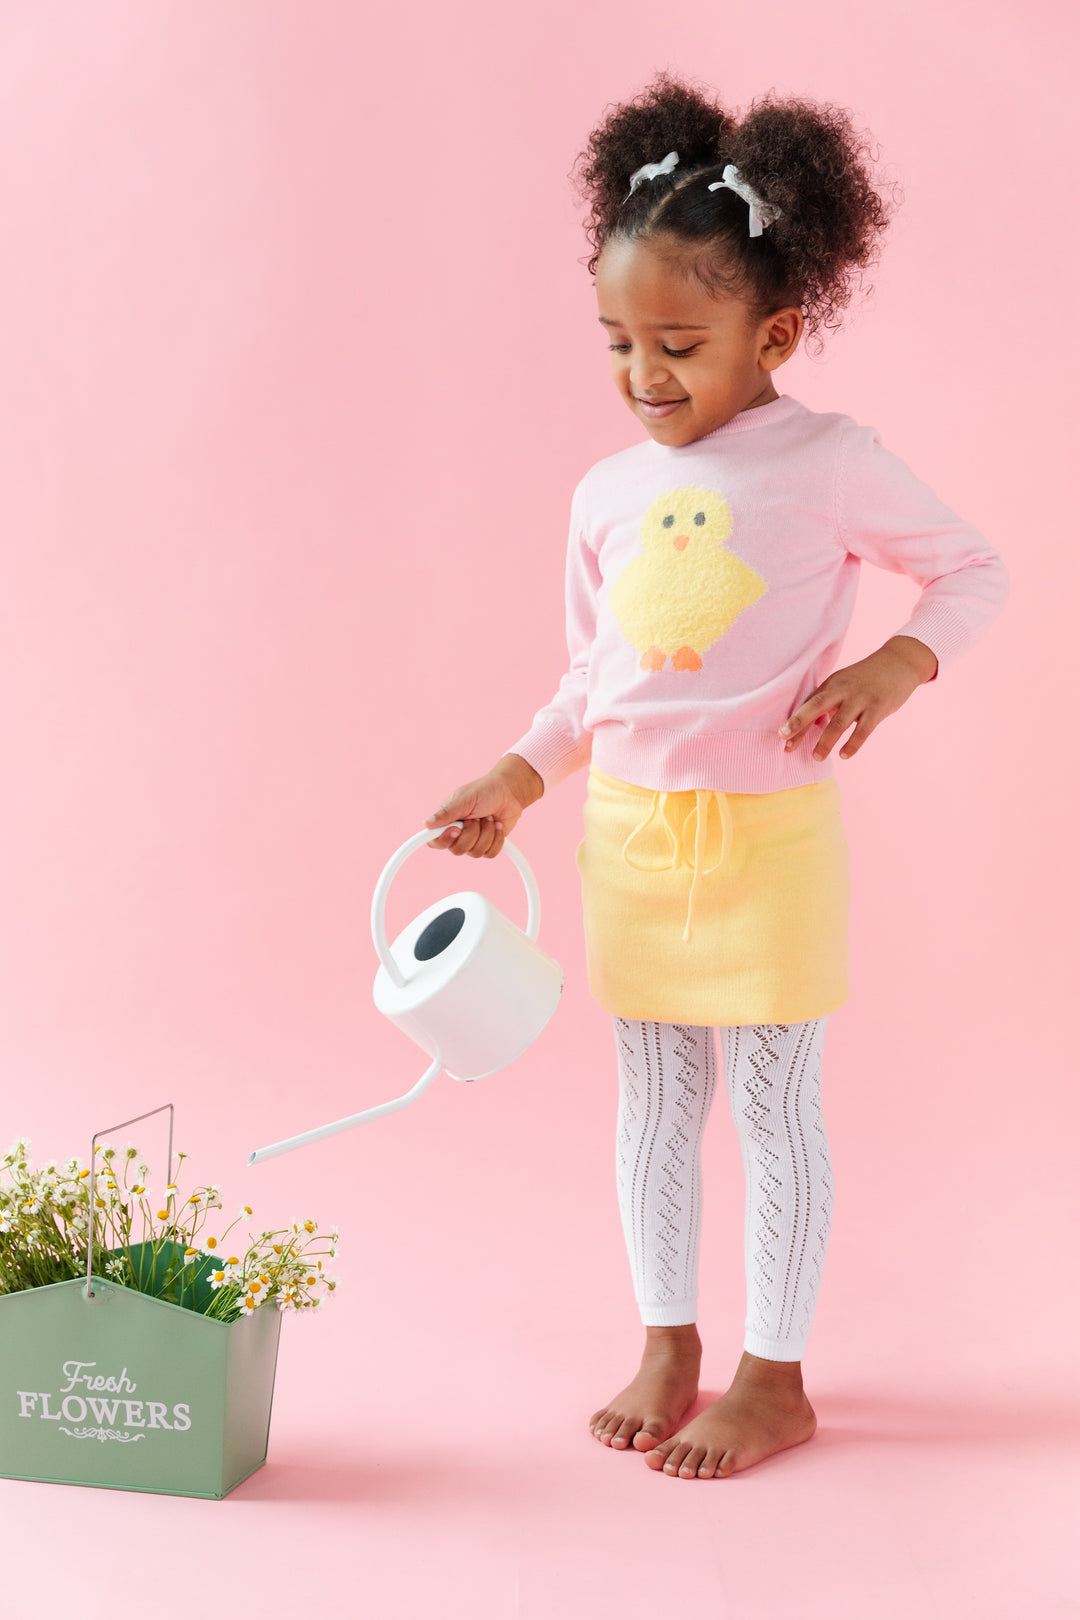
625, 1433
608, 1427
648, 1436
676, 1457
708, 1468
692, 1462
726, 1465
658, 1456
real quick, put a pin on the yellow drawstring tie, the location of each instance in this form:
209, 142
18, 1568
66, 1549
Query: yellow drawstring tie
679, 857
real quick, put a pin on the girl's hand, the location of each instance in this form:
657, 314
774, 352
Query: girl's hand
490, 807
865, 692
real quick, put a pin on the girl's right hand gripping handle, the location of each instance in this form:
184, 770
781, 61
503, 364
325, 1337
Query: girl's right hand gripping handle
378, 932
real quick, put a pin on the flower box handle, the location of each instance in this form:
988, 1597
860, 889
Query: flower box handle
124, 1123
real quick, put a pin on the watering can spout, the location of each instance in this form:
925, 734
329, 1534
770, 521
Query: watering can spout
347, 1124
464, 982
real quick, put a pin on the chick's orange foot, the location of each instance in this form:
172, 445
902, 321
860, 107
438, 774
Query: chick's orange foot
686, 658
653, 658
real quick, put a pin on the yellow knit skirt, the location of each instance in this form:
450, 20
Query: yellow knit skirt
704, 907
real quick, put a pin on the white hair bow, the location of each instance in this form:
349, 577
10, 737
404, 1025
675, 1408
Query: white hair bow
761, 212
649, 171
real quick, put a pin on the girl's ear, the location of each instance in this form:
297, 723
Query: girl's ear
781, 332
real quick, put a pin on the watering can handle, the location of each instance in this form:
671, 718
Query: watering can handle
398, 859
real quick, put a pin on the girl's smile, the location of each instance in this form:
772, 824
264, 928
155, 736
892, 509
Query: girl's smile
655, 409
684, 360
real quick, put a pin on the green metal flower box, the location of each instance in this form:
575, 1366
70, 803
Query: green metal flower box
130, 1392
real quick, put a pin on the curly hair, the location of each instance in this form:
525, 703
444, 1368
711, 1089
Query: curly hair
803, 158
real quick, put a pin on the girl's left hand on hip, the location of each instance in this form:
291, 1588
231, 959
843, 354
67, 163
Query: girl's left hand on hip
862, 694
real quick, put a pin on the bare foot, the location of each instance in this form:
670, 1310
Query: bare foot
648, 1409
765, 1410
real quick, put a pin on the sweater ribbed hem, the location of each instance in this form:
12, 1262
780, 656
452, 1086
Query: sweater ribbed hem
733, 761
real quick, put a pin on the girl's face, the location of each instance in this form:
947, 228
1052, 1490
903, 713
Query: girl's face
699, 359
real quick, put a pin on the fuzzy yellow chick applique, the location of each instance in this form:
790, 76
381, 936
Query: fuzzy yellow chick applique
686, 588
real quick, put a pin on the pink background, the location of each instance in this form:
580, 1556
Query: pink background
300, 366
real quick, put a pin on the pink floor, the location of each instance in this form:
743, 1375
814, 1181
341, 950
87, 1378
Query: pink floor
429, 1452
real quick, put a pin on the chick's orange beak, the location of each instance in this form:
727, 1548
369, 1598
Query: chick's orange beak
681, 541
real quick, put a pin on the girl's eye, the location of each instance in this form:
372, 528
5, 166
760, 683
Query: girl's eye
676, 354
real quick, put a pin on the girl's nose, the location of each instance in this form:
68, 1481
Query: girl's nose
645, 374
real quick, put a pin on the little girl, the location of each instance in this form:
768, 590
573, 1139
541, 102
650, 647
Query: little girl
710, 577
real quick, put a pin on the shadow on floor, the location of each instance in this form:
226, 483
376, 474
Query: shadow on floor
877, 1417
317, 1472
322, 1474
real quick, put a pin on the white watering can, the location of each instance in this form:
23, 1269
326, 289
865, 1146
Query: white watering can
462, 980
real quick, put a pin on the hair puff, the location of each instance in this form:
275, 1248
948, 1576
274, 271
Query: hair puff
804, 158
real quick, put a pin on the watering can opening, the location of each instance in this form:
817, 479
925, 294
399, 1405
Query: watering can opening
462, 980
440, 932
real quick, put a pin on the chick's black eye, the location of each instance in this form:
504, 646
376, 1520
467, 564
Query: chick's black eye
669, 520
699, 518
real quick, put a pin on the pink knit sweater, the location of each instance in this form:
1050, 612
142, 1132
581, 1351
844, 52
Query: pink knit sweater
709, 586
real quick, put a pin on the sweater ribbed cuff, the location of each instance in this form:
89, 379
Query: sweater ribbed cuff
551, 753
940, 628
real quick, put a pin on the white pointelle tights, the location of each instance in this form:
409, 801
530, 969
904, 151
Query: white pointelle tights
667, 1077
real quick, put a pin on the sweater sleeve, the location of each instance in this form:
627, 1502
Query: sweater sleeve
557, 742
887, 515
